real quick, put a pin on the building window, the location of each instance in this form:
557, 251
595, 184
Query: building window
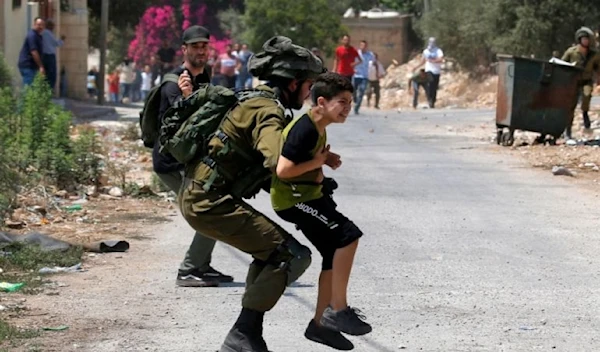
16, 4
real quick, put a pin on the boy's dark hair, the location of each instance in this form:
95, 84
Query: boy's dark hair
330, 84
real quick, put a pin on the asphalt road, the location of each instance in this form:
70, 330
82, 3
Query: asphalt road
464, 250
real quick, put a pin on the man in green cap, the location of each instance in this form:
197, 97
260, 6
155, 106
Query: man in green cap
240, 161
585, 56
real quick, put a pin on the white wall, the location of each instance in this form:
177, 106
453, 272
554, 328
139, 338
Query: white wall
16, 24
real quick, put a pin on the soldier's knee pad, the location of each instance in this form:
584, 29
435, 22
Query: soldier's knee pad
300, 261
293, 257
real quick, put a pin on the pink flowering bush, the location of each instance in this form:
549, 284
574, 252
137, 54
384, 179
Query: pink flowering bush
167, 22
157, 24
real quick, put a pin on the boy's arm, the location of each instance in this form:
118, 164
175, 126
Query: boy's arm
288, 169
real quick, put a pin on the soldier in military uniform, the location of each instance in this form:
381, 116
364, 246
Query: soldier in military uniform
584, 55
245, 151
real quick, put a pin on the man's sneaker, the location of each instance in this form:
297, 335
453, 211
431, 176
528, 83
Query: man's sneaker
195, 280
350, 320
214, 275
327, 337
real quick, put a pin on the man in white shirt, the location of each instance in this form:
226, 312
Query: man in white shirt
146, 81
433, 57
376, 72
126, 78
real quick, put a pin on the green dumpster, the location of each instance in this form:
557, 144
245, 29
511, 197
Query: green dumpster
534, 95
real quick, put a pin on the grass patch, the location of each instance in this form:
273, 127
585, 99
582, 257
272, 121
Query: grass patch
32, 257
10, 334
25, 261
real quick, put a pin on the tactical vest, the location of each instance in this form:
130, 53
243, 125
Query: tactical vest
194, 126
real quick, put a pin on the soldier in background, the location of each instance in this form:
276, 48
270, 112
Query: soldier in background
585, 56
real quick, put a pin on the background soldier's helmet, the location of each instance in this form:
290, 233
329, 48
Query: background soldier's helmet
281, 58
583, 32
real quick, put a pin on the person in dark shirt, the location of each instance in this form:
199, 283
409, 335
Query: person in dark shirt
418, 79
166, 55
30, 57
195, 270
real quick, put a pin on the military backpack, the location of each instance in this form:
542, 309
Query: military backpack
149, 119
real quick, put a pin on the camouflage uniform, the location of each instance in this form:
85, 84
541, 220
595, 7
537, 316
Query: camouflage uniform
254, 127
590, 64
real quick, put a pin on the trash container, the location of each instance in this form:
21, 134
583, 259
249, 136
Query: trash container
534, 95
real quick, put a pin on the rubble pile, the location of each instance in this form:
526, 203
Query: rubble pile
456, 89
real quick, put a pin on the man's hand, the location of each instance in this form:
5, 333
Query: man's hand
185, 84
333, 160
42, 71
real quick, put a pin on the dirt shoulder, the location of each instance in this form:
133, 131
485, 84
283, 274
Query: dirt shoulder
127, 204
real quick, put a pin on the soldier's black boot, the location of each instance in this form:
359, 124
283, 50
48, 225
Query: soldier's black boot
246, 334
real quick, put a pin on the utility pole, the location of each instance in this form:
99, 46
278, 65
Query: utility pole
103, 34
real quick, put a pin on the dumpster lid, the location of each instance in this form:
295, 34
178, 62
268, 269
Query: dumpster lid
523, 58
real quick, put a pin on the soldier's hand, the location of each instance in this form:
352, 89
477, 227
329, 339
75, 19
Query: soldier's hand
334, 160
185, 84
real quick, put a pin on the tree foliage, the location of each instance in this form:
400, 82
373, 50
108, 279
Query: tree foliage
167, 23
307, 22
472, 31
126, 16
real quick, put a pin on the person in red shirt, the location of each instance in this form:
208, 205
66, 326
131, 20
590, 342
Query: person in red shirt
346, 57
113, 86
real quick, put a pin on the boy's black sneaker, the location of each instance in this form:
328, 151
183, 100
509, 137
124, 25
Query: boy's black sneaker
350, 321
328, 337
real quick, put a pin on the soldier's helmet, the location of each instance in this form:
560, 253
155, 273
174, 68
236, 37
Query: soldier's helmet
583, 32
281, 58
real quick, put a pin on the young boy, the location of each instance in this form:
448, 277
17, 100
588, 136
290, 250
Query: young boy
297, 195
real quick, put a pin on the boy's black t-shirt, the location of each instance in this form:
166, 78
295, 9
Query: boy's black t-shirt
301, 141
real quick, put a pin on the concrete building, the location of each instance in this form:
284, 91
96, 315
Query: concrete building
71, 20
388, 33
15, 20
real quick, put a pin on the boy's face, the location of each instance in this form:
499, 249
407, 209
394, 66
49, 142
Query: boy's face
338, 108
